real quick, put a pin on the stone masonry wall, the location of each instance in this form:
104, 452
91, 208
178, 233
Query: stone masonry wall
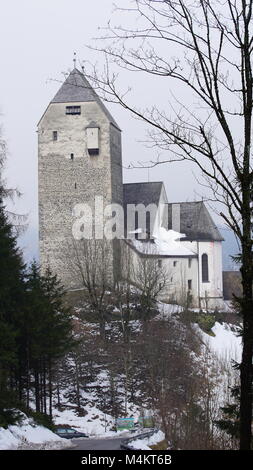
65, 182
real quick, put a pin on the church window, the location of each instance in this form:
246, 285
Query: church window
73, 109
189, 284
55, 136
189, 262
148, 225
204, 266
136, 223
72, 156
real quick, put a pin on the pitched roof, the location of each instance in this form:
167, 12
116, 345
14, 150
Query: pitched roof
142, 193
195, 222
76, 88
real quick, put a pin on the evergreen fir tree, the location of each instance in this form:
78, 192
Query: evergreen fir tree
46, 335
231, 415
11, 298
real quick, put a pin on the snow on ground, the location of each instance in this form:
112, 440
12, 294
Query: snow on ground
218, 356
226, 343
27, 434
7, 440
95, 423
166, 310
144, 444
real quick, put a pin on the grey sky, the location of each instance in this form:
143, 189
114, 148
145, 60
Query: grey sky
37, 41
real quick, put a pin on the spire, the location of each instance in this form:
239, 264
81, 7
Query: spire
76, 88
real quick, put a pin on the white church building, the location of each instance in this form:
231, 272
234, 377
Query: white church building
186, 244
80, 158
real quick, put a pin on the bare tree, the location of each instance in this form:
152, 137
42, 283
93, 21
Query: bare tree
213, 43
151, 279
18, 221
90, 261
124, 290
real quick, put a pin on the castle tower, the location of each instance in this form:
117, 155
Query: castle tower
79, 158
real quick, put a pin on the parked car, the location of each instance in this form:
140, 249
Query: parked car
69, 433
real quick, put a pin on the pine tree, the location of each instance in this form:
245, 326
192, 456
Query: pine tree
11, 298
46, 335
230, 421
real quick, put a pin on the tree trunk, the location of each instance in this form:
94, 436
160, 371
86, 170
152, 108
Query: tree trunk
247, 314
77, 384
44, 390
37, 391
50, 390
246, 383
246, 364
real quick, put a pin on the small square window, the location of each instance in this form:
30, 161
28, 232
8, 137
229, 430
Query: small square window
55, 136
73, 109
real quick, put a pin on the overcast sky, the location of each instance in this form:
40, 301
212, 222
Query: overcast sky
37, 42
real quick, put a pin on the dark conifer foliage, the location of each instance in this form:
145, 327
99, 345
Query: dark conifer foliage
45, 336
35, 328
230, 421
35, 325
11, 301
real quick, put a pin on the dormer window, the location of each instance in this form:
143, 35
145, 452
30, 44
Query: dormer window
73, 109
92, 134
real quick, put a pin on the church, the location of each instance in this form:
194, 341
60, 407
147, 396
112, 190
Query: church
80, 163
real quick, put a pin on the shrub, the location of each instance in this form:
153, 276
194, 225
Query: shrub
9, 417
206, 322
42, 419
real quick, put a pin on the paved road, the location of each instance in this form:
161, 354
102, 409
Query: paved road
97, 444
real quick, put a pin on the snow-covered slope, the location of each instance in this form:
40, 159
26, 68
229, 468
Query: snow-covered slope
144, 444
226, 343
28, 435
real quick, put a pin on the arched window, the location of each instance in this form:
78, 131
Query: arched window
148, 227
205, 276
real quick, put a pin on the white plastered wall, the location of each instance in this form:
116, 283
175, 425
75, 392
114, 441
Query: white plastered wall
212, 289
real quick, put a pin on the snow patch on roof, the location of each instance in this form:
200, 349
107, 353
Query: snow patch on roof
166, 243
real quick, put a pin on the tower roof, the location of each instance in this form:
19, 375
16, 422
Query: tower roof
76, 88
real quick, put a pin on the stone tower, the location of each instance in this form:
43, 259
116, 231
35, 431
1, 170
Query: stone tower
79, 158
